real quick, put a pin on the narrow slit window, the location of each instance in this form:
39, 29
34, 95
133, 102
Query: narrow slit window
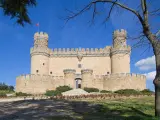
79, 66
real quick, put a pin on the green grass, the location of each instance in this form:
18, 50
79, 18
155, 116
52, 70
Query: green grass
125, 109
113, 109
6, 91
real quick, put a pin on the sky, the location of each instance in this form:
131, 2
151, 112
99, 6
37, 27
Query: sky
16, 41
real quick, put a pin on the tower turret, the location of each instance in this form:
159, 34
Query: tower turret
119, 38
69, 77
87, 78
120, 53
40, 54
40, 39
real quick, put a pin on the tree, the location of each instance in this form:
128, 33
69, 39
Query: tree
17, 9
143, 16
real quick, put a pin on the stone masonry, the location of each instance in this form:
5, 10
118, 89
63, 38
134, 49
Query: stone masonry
106, 68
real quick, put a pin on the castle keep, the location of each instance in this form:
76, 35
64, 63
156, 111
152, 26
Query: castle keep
106, 68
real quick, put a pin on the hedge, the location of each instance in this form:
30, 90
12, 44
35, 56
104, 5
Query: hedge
58, 91
91, 89
105, 91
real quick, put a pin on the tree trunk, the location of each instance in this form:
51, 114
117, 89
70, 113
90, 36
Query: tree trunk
156, 49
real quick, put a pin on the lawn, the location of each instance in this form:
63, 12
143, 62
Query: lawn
111, 109
115, 109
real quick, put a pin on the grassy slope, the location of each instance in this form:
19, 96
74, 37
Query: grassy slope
126, 109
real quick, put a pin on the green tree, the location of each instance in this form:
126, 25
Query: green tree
17, 9
143, 14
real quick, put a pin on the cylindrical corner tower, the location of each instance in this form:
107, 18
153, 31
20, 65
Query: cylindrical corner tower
69, 77
87, 78
120, 53
40, 54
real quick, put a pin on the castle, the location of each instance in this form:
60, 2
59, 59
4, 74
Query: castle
106, 68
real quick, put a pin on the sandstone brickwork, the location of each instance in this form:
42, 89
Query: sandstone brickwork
105, 68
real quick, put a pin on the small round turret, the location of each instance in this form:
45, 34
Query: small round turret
119, 38
87, 78
40, 39
69, 77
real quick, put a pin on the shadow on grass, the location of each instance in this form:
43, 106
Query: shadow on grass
68, 110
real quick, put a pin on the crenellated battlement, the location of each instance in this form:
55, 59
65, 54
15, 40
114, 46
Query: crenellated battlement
68, 71
40, 51
83, 51
41, 39
38, 77
41, 36
117, 75
119, 33
121, 50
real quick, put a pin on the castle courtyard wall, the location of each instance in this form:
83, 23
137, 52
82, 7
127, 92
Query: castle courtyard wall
124, 81
37, 84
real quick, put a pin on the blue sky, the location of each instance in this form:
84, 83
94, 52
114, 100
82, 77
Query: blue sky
15, 41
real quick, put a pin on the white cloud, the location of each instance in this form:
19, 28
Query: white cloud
146, 64
150, 75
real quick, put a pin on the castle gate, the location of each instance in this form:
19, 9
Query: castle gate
78, 80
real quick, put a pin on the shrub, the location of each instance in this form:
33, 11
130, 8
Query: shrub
146, 92
3, 86
58, 91
52, 93
91, 89
105, 91
63, 88
128, 92
3, 95
22, 94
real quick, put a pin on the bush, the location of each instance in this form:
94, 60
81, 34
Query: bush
128, 92
63, 88
3, 95
52, 93
146, 92
22, 94
105, 91
58, 91
91, 89
3, 86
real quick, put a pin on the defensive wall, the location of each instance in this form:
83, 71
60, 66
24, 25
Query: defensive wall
37, 84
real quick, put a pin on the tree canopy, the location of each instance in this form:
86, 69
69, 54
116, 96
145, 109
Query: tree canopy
17, 9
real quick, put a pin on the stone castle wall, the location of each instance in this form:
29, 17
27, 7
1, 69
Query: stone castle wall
36, 84
118, 81
53, 62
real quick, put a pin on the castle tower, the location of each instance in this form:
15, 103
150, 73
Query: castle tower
120, 53
87, 78
69, 77
40, 54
